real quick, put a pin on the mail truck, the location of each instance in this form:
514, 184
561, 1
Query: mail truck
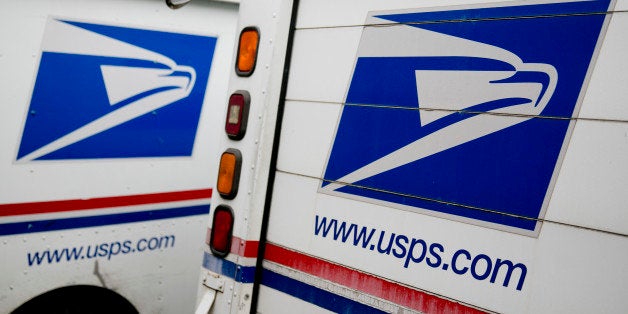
423, 157
110, 112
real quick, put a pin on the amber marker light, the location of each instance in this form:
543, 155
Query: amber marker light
229, 173
247, 51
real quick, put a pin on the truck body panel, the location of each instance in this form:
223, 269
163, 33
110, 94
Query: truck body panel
436, 157
110, 112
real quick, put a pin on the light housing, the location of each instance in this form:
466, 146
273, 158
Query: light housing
247, 51
221, 231
237, 114
229, 173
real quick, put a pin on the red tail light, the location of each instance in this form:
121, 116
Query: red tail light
237, 114
222, 231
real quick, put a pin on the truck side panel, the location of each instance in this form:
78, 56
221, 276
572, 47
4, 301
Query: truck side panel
323, 247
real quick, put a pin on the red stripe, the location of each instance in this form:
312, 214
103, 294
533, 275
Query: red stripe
375, 286
238, 246
244, 248
101, 202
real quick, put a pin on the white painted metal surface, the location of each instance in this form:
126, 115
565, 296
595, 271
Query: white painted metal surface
272, 19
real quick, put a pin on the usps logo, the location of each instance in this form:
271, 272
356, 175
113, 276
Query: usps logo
463, 113
106, 91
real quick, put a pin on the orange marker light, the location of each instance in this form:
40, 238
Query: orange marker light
247, 51
229, 173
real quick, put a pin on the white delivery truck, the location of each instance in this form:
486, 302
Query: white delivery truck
423, 156
110, 118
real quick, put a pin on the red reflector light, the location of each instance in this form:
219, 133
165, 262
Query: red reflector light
222, 231
237, 114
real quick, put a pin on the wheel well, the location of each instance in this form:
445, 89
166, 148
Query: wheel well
77, 299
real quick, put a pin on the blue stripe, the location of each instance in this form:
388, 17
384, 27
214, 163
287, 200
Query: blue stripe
101, 220
244, 274
588, 7
314, 295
